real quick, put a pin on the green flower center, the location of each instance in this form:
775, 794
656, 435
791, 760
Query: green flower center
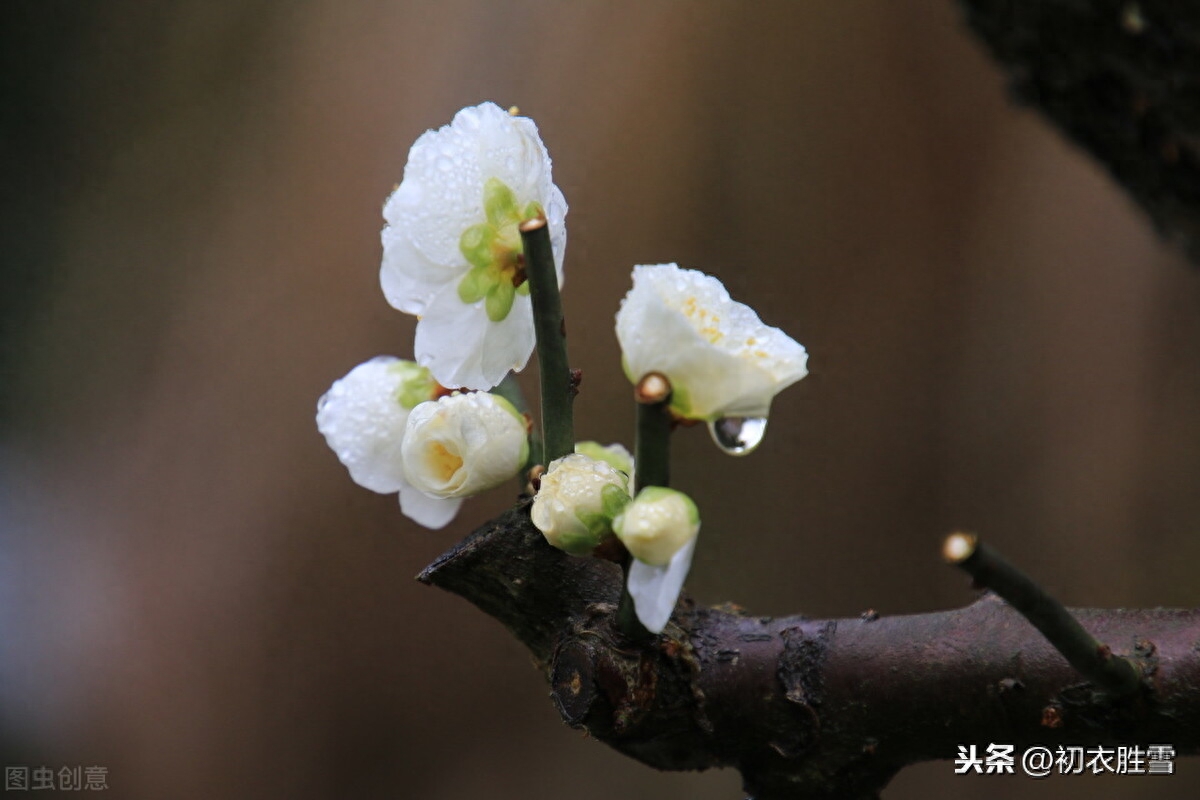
495, 253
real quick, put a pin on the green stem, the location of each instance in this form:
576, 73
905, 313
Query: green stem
627, 620
558, 429
652, 451
651, 467
990, 570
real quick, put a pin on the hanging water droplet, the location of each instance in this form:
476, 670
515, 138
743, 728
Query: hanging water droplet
738, 436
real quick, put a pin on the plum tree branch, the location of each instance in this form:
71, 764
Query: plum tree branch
1093, 659
834, 708
816, 708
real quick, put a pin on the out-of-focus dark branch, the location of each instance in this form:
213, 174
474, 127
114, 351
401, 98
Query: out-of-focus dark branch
815, 708
1121, 78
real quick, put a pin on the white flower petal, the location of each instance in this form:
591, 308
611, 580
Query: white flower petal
463, 444
431, 512
409, 279
364, 424
463, 348
556, 219
655, 590
719, 356
440, 197
441, 194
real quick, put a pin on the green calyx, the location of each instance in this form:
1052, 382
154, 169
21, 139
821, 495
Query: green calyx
581, 543
495, 252
416, 384
613, 500
680, 402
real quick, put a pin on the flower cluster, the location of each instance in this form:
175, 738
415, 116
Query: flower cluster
385, 425
454, 255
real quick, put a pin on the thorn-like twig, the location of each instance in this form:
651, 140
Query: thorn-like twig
989, 570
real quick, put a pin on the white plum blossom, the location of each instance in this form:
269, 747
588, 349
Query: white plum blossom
577, 500
659, 528
363, 417
464, 444
721, 360
452, 252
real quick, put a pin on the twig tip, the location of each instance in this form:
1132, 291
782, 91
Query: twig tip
959, 546
652, 388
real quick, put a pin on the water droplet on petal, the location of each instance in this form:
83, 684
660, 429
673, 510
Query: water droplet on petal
738, 436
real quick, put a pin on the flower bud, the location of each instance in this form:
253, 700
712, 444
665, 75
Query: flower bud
363, 418
463, 444
659, 528
657, 524
578, 498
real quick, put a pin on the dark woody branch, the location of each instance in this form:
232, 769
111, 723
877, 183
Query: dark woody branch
816, 708
1121, 78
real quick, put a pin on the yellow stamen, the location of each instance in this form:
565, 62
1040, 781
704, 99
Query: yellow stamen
442, 462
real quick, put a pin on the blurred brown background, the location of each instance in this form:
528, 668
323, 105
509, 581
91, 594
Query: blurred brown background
194, 594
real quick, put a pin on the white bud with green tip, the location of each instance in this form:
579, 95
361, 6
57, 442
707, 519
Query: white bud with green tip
464, 444
657, 524
659, 528
578, 498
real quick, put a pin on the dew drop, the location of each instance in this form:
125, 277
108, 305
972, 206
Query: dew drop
738, 436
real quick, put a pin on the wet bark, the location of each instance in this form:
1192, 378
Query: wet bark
816, 708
